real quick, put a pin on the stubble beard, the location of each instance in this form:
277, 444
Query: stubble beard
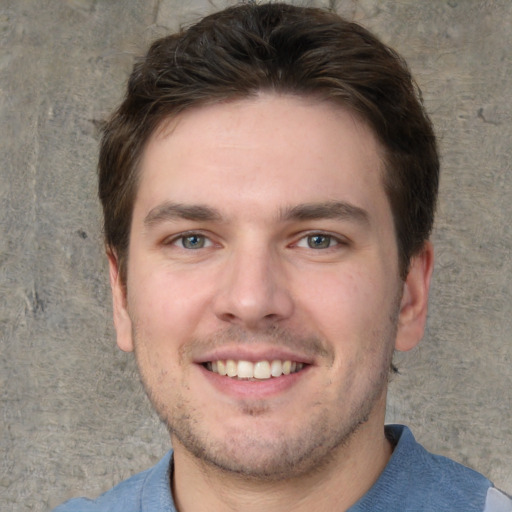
251, 457
283, 457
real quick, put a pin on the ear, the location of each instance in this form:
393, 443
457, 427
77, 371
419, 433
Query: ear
122, 321
414, 304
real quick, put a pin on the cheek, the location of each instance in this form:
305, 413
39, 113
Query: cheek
338, 296
352, 309
166, 306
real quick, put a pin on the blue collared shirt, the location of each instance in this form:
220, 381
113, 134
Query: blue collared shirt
414, 480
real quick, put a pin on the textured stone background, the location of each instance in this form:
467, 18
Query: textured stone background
73, 418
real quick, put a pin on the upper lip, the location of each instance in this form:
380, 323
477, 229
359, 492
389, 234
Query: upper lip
253, 354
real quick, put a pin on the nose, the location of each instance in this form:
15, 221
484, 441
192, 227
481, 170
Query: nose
253, 291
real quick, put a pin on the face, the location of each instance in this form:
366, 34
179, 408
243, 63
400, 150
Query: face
263, 296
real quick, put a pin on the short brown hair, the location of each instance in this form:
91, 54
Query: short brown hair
250, 48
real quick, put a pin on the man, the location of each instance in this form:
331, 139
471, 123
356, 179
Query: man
269, 186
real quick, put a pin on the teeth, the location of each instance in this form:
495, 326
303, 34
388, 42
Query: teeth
276, 368
260, 370
221, 368
231, 368
245, 370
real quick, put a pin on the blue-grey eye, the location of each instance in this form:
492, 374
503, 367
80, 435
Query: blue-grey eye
193, 241
319, 241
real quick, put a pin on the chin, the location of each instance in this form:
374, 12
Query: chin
266, 451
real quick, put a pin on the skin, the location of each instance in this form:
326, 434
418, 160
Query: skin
296, 258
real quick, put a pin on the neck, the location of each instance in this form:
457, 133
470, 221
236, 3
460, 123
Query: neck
337, 485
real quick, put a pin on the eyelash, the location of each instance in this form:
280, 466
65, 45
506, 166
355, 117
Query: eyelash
188, 235
338, 241
332, 240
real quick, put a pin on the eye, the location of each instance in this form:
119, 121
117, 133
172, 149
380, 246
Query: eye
318, 241
193, 241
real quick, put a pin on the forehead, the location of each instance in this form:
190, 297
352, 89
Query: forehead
270, 151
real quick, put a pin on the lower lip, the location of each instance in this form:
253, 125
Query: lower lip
255, 389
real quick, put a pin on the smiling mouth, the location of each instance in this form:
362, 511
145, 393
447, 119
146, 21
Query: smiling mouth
260, 370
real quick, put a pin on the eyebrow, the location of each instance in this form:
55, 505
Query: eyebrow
338, 210
169, 211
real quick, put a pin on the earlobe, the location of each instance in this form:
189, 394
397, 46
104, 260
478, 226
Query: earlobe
414, 304
122, 321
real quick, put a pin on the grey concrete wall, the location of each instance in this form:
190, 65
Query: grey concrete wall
73, 418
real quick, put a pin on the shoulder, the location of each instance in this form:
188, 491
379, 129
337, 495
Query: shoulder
437, 472
418, 480
149, 490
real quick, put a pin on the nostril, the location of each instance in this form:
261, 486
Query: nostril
227, 317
